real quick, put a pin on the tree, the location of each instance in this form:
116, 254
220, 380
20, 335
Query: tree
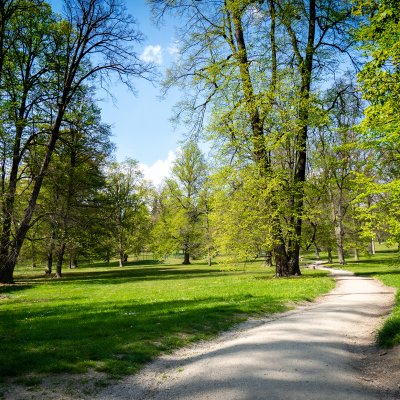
379, 79
69, 199
127, 198
180, 205
92, 41
380, 76
237, 57
338, 158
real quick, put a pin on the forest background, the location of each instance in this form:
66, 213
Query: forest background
298, 101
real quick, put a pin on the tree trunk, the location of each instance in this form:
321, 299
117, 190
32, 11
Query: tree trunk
356, 257
339, 241
60, 258
281, 261
50, 251
49, 262
73, 262
372, 246
186, 258
7, 270
317, 252
268, 259
330, 258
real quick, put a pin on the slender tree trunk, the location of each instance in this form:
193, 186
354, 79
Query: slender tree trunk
372, 246
49, 261
50, 251
73, 262
121, 257
60, 258
268, 259
240, 53
330, 258
356, 257
317, 252
339, 234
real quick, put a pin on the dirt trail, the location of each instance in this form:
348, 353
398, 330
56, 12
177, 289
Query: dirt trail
309, 353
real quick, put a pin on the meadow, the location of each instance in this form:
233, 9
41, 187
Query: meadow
114, 319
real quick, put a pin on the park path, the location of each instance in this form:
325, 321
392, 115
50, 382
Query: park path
308, 353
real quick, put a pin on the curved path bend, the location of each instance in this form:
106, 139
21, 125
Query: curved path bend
308, 353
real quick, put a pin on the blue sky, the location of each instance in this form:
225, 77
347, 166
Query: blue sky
140, 124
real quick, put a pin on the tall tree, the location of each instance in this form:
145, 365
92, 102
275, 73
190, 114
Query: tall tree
338, 158
69, 201
244, 80
93, 40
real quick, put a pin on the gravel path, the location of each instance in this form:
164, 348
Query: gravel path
309, 353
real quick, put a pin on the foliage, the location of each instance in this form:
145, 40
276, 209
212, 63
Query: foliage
180, 210
128, 220
380, 76
380, 83
252, 67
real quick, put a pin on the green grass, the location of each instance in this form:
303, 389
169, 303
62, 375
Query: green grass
385, 266
115, 319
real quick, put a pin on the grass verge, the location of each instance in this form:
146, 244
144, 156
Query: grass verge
115, 319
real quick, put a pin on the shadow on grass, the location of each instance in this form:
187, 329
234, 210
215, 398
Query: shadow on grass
139, 274
5, 289
115, 338
377, 272
132, 273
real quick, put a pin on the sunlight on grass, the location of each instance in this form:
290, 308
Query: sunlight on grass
116, 319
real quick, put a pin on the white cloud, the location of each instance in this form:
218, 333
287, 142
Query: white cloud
173, 49
159, 170
152, 54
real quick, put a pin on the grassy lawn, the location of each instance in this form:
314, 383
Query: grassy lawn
115, 319
384, 265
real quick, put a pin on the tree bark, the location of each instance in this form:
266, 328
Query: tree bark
60, 259
281, 260
330, 258
49, 261
186, 258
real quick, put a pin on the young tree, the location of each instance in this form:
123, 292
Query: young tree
127, 197
180, 224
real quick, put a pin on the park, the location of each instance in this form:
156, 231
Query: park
264, 261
